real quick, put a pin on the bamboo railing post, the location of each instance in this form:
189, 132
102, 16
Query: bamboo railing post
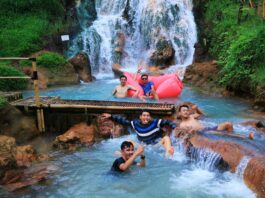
263, 9
40, 115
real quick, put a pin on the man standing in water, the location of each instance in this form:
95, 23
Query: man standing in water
190, 122
128, 155
148, 130
122, 89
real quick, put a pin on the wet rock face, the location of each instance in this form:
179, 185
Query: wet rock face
82, 67
13, 160
108, 128
164, 54
79, 134
7, 148
231, 152
254, 175
14, 124
16, 179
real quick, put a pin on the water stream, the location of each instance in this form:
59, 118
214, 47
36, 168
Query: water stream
84, 173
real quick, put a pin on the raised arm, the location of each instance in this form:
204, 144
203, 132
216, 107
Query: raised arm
114, 91
169, 123
124, 166
140, 67
117, 118
196, 112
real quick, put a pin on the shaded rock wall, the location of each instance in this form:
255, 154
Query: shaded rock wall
13, 123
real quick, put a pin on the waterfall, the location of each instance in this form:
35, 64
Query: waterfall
242, 166
143, 23
205, 158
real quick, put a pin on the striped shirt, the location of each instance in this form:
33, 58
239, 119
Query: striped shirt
145, 132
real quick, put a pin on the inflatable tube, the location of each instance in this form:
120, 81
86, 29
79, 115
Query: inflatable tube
167, 86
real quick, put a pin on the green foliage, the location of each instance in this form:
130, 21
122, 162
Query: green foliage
52, 7
236, 39
25, 23
22, 35
51, 60
11, 84
3, 101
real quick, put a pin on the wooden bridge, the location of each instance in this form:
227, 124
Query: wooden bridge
58, 114
55, 104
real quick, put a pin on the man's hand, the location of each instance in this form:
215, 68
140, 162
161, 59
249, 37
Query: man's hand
105, 115
140, 150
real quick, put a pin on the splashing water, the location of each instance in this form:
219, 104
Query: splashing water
205, 158
143, 24
242, 166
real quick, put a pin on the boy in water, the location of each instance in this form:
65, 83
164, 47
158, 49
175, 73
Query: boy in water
128, 155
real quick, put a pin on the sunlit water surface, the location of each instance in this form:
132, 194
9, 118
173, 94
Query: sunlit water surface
84, 173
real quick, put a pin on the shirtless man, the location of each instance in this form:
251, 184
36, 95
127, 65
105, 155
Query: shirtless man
190, 122
121, 90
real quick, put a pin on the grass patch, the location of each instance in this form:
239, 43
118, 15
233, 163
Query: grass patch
11, 84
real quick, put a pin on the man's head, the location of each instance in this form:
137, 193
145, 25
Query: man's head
144, 78
123, 80
145, 117
127, 149
184, 111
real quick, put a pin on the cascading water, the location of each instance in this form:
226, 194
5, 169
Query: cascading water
242, 166
143, 23
204, 158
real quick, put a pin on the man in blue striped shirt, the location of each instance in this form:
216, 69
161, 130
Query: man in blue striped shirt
148, 129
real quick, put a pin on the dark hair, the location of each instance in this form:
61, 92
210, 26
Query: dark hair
184, 105
126, 144
123, 76
144, 75
144, 110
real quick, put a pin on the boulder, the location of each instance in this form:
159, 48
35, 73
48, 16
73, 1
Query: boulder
107, 128
254, 175
79, 134
25, 155
118, 47
231, 152
164, 54
7, 148
18, 178
13, 123
82, 66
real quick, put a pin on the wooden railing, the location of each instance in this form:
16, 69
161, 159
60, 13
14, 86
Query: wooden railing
40, 115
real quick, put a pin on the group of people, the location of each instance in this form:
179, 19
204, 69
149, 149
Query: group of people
148, 131
121, 90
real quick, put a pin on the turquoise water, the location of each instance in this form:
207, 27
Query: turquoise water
84, 173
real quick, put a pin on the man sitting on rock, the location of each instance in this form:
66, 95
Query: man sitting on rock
128, 155
148, 130
189, 122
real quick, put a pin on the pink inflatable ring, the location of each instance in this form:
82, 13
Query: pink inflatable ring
166, 86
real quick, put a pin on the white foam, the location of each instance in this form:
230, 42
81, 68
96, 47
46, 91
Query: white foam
204, 182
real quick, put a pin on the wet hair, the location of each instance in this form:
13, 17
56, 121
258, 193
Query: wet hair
144, 75
126, 144
123, 76
184, 105
144, 110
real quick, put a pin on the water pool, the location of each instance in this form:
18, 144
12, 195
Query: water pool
84, 173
